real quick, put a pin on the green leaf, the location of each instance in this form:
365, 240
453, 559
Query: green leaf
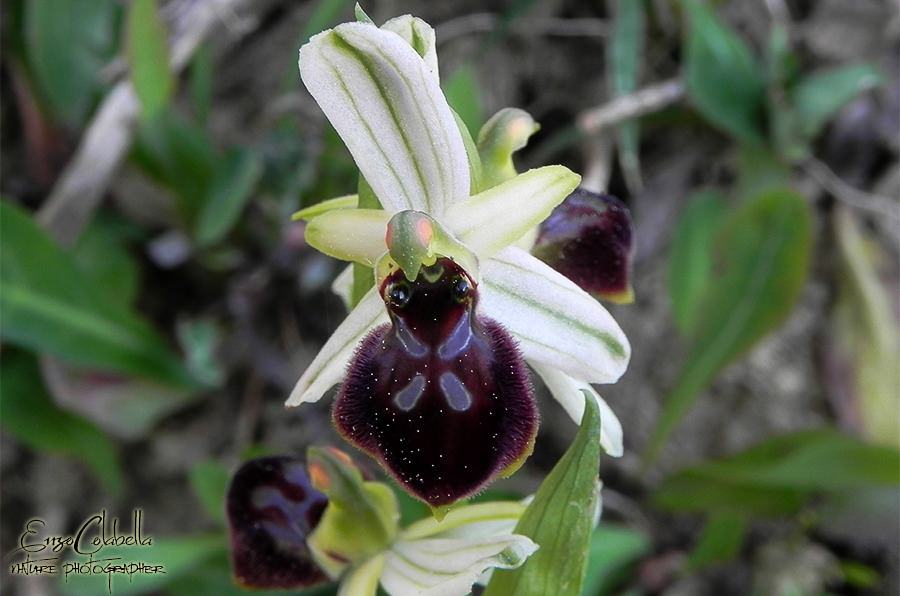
614, 550
559, 520
819, 96
232, 184
209, 479
28, 414
179, 155
200, 83
177, 555
691, 258
101, 253
780, 474
721, 540
123, 406
625, 51
723, 78
67, 43
762, 257
148, 56
864, 329
49, 305
462, 92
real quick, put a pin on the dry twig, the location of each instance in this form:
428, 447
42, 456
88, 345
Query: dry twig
109, 135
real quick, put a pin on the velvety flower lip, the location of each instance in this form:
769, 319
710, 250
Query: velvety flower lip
440, 396
385, 102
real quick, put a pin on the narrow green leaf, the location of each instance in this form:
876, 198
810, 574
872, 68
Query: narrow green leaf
176, 555
179, 155
200, 83
232, 185
49, 305
780, 474
762, 256
209, 479
559, 520
614, 550
820, 95
464, 97
101, 253
28, 414
625, 49
67, 43
723, 78
691, 258
148, 56
864, 332
720, 541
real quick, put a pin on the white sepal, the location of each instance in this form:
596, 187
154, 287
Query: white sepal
418, 34
568, 392
449, 566
330, 364
556, 322
388, 108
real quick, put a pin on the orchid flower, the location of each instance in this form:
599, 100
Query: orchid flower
293, 525
431, 358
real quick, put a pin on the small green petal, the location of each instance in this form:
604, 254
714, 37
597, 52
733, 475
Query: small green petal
350, 234
505, 133
361, 518
344, 202
363, 581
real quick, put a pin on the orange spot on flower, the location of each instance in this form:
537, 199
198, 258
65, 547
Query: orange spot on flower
424, 231
319, 476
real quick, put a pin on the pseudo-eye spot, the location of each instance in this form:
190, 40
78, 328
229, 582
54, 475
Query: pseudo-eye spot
440, 396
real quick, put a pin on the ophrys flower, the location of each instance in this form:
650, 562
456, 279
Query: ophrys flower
385, 101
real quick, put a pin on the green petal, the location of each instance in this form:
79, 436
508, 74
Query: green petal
556, 322
344, 202
350, 234
492, 220
505, 133
363, 581
461, 521
330, 364
387, 106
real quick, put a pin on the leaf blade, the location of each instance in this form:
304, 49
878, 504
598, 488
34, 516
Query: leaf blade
559, 520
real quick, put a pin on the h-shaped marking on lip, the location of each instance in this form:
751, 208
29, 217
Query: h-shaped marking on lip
407, 397
458, 340
411, 345
456, 394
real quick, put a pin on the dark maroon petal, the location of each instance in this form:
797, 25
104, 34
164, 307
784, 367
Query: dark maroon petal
588, 238
272, 507
440, 396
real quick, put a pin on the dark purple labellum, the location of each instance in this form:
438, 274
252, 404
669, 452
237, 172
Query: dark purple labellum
588, 238
440, 396
272, 507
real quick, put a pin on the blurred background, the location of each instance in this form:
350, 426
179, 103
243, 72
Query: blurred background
158, 303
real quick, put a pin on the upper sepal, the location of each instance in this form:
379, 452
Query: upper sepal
272, 508
386, 104
588, 238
